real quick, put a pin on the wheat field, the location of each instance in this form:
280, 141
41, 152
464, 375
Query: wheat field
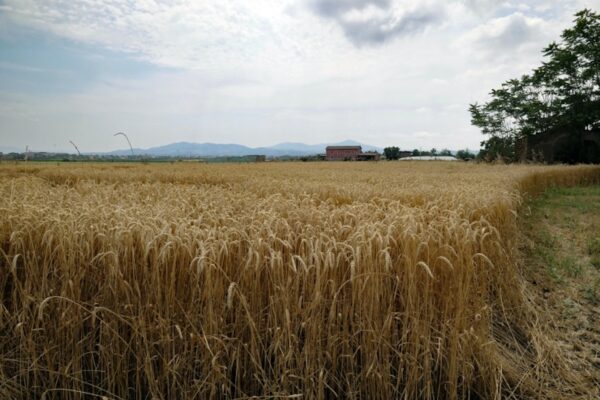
272, 280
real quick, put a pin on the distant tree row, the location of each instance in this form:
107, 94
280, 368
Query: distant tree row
394, 153
391, 153
553, 112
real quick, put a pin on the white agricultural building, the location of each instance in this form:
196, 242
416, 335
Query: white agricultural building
430, 158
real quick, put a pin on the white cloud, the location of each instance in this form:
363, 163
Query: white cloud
507, 34
190, 35
371, 22
425, 135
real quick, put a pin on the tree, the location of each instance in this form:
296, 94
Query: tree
445, 152
561, 98
416, 153
465, 155
433, 152
391, 153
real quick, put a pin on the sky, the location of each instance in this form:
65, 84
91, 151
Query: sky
261, 72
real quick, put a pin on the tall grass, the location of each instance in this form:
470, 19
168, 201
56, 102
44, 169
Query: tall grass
275, 280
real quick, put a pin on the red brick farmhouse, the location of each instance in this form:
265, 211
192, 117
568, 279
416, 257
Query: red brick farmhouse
349, 153
341, 153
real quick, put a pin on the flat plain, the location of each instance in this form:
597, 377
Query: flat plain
275, 280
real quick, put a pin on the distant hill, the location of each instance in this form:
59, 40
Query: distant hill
188, 149
9, 149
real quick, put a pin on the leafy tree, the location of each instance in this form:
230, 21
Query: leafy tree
392, 153
416, 153
561, 96
445, 152
465, 155
433, 152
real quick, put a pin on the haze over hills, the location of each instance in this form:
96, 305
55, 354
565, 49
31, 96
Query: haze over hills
190, 149
187, 149
11, 149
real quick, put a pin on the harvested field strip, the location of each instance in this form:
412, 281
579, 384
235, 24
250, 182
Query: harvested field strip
230, 281
562, 266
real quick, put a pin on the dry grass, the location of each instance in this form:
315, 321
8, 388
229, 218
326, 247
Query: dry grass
561, 247
319, 280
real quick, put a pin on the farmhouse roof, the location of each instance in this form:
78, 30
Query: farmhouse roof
343, 148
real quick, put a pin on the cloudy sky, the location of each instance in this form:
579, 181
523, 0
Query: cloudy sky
261, 72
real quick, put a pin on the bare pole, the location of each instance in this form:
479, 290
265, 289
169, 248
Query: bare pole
123, 133
78, 152
26, 152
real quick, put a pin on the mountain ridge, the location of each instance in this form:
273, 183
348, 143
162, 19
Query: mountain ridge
208, 149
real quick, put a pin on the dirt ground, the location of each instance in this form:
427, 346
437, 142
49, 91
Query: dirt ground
561, 248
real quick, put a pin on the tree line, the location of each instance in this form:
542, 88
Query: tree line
553, 113
394, 153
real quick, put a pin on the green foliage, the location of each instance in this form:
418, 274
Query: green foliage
495, 148
570, 266
594, 252
562, 95
465, 155
416, 153
594, 246
592, 291
391, 153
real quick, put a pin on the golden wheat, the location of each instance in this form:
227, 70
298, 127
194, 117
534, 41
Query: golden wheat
279, 280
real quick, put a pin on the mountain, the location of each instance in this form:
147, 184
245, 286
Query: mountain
187, 149
9, 149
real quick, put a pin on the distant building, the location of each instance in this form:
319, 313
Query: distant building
404, 153
430, 158
342, 153
257, 158
369, 156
